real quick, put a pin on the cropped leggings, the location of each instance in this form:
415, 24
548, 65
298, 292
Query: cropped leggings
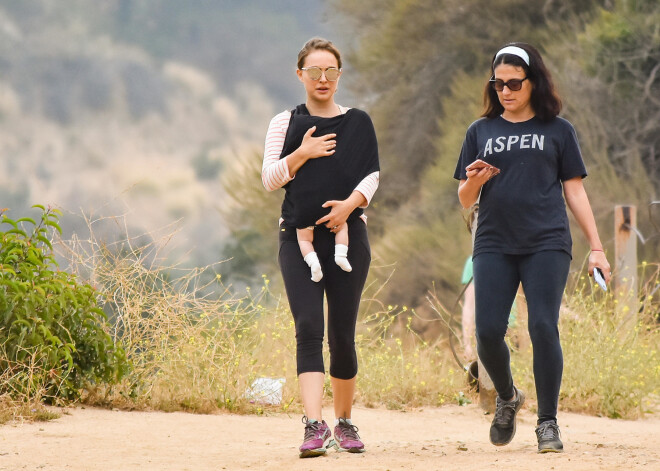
496, 279
343, 291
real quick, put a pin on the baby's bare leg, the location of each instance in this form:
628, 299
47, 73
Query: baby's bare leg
341, 248
305, 241
341, 236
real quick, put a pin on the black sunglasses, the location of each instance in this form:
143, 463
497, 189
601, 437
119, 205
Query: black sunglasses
513, 84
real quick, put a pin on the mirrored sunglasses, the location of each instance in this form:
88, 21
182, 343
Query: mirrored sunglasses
331, 73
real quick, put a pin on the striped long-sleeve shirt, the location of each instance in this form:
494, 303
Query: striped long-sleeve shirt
275, 171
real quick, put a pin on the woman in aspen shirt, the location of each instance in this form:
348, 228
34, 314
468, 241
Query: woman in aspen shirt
326, 158
516, 161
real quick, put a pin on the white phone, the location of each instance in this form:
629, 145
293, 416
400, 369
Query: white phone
598, 277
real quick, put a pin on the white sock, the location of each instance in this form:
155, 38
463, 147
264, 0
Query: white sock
341, 257
313, 261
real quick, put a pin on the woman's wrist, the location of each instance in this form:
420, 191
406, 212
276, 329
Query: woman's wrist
468, 195
300, 156
295, 160
357, 199
597, 250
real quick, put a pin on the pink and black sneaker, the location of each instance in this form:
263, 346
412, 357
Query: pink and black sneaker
317, 438
347, 438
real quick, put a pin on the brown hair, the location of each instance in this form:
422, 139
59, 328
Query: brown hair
471, 216
544, 100
316, 44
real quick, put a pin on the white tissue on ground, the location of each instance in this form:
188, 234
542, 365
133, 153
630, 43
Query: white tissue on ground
266, 391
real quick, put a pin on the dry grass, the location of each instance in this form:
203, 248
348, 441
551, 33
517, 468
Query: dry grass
186, 336
611, 358
23, 393
194, 345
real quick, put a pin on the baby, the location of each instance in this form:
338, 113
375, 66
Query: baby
305, 241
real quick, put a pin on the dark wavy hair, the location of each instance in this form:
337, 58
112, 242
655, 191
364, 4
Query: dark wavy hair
544, 100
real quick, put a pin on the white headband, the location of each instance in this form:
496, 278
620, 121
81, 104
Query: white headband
516, 51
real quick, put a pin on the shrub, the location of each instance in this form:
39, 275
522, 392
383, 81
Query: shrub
184, 333
53, 335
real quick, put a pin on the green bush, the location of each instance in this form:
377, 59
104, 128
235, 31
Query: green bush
53, 335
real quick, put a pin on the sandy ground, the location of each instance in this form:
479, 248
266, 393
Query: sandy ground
447, 438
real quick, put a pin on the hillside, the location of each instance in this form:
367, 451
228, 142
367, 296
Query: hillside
135, 108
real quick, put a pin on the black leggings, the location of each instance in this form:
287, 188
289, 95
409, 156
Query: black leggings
543, 276
342, 289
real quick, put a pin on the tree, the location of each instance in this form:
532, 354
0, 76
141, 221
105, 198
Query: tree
610, 82
421, 66
407, 53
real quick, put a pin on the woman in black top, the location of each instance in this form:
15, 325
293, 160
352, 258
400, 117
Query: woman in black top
527, 156
331, 156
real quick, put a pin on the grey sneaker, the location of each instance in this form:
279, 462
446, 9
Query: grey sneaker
548, 436
503, 427
317, 438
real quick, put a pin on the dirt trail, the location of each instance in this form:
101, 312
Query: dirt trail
447, 438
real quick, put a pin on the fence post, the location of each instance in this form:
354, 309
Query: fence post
487, 393
625, 261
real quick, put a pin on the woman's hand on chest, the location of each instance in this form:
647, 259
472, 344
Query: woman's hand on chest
315, 147
311, 148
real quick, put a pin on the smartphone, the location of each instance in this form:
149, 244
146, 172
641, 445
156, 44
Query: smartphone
479, 164
598, 277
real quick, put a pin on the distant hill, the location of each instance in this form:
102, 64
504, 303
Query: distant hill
135, 107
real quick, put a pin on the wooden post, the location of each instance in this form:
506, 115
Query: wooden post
487, 393
625, 261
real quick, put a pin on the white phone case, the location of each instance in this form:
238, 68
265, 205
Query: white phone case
598, 277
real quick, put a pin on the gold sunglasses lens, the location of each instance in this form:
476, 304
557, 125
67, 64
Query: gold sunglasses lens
314, 72
332, 74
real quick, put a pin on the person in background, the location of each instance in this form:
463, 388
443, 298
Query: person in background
467, 312
325, 156
522, 162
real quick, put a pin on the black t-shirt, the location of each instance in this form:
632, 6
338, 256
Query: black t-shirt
333, 177
522, 209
